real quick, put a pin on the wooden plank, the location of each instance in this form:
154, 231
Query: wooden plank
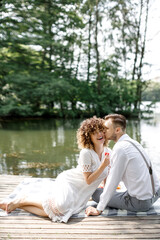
86, 221
35, 224
69, 236
52, 236
112, 227
101, 231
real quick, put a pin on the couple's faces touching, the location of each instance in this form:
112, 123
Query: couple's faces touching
111, 132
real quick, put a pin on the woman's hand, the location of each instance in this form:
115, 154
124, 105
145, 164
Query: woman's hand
92, 176
106, 160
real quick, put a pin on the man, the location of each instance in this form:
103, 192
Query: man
130, 164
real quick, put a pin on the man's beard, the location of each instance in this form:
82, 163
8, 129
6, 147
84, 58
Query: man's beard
113, 137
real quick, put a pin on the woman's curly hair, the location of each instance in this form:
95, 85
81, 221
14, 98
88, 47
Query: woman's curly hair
88, 127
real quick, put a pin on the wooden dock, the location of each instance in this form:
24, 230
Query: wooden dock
34, 227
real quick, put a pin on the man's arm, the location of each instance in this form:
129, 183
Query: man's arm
116, 173
117, 170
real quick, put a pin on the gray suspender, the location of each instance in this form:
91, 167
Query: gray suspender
148, 166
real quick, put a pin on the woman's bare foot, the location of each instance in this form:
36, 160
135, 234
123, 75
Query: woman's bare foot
16, 203
11, 206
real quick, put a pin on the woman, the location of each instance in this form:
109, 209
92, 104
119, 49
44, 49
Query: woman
72, 188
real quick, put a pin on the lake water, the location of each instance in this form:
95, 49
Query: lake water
44, 148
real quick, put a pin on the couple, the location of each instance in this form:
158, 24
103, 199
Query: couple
72, 188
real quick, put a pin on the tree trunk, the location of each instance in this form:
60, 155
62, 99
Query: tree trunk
50, 34
137, 42
79, 58
97, 51
139, 74
44, 52
89, 46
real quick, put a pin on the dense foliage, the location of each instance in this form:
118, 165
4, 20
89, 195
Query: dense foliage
151, 93
71, 58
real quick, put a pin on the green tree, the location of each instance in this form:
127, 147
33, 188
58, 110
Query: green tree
71, 58
39, 36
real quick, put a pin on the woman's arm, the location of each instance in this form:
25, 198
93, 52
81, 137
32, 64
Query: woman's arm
104, 181
92, 176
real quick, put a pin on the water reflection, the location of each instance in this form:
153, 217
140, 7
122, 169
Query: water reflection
44, 148
38, 148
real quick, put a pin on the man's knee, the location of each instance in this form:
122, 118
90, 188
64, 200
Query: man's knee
96, 194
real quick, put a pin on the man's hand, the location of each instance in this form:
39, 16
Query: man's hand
91, 211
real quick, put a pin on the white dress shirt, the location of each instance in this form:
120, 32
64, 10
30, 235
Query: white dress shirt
128, 165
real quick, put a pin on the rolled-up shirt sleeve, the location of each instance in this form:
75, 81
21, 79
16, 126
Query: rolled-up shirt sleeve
118, 167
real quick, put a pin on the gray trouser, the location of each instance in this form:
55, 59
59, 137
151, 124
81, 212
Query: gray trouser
122, 200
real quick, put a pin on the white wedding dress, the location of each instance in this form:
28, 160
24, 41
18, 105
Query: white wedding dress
69, 193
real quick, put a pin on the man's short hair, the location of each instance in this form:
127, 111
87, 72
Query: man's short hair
118, 120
